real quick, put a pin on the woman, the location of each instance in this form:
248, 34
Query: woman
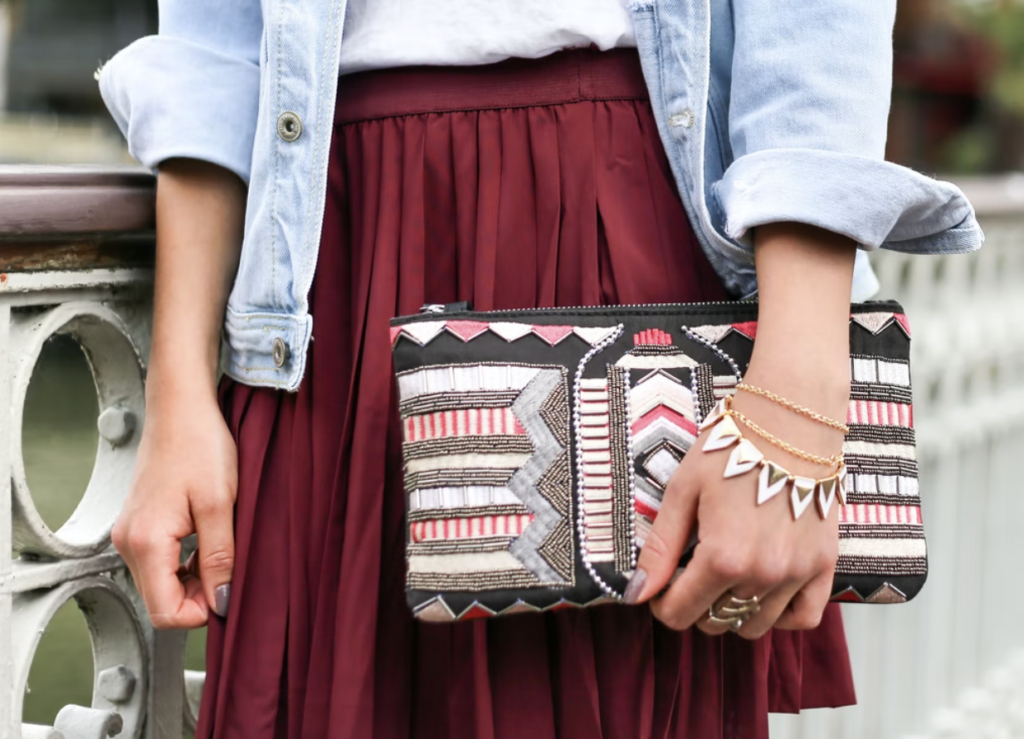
425, 152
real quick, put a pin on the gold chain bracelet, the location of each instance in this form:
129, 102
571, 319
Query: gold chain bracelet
834, 461
789, 405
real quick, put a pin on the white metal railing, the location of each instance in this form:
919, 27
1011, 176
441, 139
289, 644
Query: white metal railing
139, 685
949, 665
59, 231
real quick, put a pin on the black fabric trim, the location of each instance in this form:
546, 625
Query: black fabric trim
882, 434
880, 392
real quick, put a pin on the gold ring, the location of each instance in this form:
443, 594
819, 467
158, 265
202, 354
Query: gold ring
732, 611
734, 623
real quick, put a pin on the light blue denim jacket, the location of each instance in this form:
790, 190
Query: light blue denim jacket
769, 110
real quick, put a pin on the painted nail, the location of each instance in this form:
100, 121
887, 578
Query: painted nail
222, 597
635, 587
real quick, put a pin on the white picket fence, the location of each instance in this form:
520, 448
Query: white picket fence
950, 664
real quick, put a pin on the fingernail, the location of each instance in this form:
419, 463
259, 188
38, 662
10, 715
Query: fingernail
635, 587
222, 597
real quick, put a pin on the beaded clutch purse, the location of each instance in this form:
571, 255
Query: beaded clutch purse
537, 445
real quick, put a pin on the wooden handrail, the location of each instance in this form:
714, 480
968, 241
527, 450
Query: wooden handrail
61, 218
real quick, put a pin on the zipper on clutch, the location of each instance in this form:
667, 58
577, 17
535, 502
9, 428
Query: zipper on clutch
623, 305
466, 307
437, 308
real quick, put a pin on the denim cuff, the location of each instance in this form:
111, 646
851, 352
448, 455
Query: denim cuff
267, 348
876, 203
174, 98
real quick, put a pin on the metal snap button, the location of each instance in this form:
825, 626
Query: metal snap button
289, 126
280, 352
683, 119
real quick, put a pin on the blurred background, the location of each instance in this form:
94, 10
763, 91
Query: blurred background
957, 111
50, 109
957, 105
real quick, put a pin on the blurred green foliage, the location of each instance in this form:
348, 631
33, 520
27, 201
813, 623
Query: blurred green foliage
962, 104
1002, 23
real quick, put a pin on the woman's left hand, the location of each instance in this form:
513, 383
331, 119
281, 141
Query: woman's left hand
802, 353
744, 549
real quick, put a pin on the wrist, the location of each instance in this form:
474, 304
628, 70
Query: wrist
789, 427
823, 392
822, 383
181, 390
802, 349
819, 382
815, 374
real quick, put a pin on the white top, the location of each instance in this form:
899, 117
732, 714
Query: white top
399, 33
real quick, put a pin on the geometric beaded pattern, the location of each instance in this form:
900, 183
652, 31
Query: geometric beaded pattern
662, 423
596, 469
532, 485
881, 531
488, 480
881, 528
623, 511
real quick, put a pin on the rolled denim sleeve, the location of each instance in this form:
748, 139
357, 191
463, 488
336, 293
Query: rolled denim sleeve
193, 89
811, 84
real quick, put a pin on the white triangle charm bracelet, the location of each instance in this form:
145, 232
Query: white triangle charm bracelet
772, 478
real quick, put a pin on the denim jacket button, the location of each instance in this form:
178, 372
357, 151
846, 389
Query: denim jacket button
289, 126
280, 352
683, 119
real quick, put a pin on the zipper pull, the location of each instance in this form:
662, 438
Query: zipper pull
438, 308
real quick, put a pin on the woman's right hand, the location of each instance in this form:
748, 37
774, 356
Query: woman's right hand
186, 476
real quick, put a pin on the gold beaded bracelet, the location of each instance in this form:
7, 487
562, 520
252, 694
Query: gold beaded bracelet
789, 405
773, 478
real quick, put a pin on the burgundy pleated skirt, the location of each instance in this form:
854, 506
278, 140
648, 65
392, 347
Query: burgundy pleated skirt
520, 184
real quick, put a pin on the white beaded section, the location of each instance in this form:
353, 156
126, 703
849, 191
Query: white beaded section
580, 446
597, 473
722, 355
630, 463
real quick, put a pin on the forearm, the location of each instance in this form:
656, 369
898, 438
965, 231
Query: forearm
804, 276
802, 349
200, 218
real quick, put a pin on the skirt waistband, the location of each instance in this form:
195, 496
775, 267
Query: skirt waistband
564, 77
